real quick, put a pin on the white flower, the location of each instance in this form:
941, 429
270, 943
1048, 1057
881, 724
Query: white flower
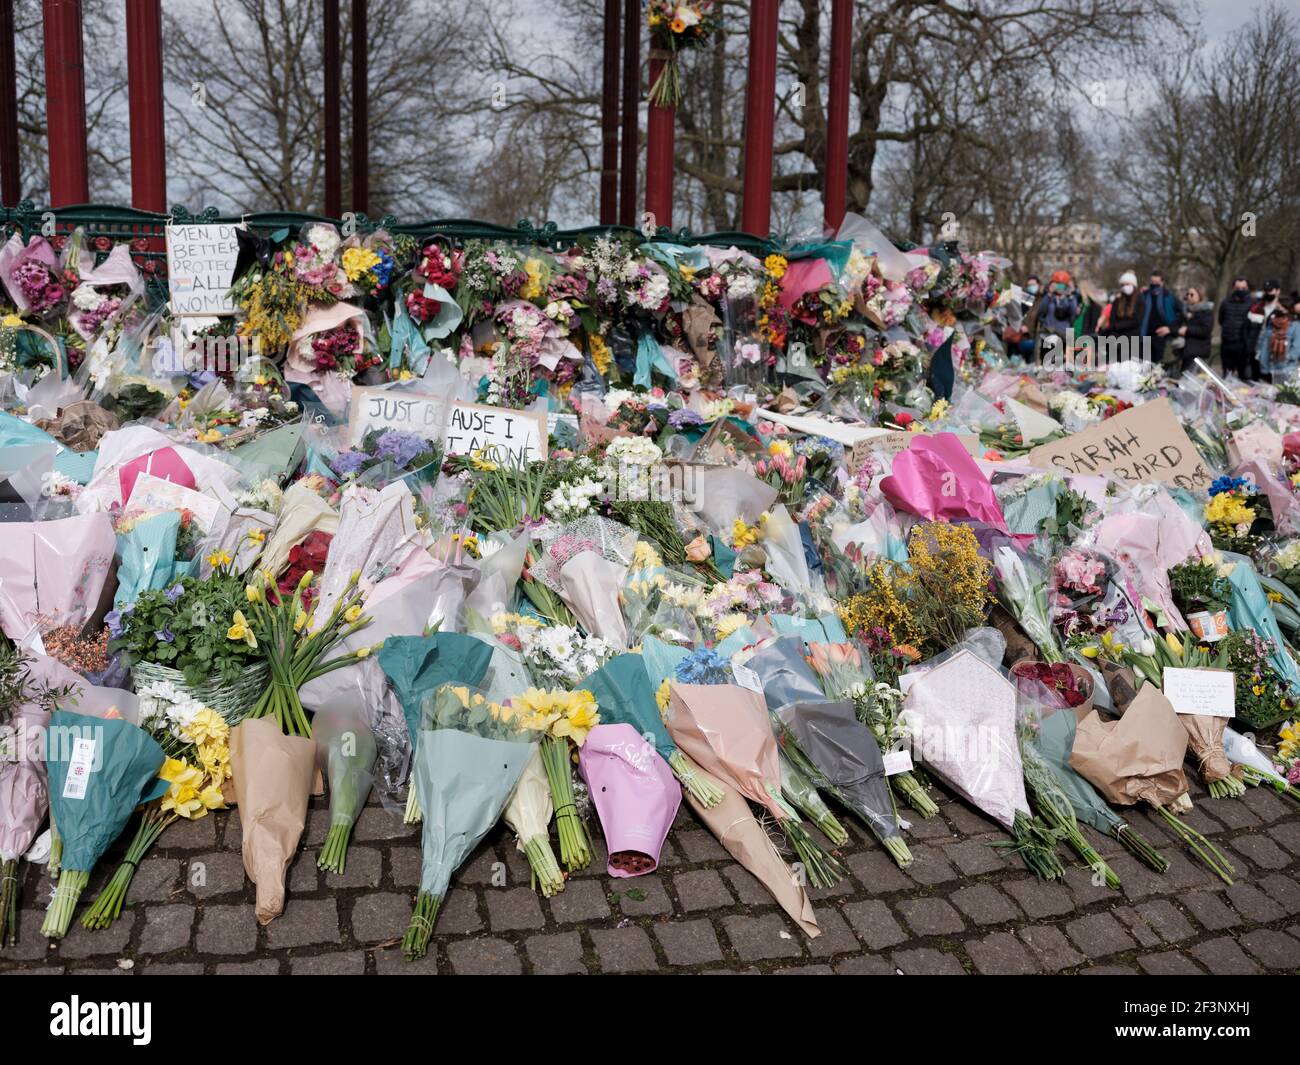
325, 238
85, 297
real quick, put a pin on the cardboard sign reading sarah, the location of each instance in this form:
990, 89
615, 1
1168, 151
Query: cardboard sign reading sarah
200, 263
383, 408
504, 435
1141, 445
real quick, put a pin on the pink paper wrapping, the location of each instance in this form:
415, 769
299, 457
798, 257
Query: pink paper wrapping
13, 253
164, 463
334, 391
24, 798
52, 572
633, 790
936, 478
589, 585
1146, 545
803, 276
1285, 506
725, 729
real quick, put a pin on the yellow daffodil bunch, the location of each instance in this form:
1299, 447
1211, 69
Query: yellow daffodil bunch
563, 719
561, 714
742, 535
357, 262
241, 630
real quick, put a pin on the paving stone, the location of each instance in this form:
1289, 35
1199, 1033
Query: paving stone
303, 922
1235, 814
581, 900
754, 938
513, 908
864, 965
1223, 957
404, 866
226, 929
1039, 898
1098, 935
1136, 927
688, 942
171, 968
392, 962
1266, 805
702, 889
362, 868
155, 880
484, 957
928, 828
1210, 909
1277, 950
1168, 963
1108, 970
1000, 953
623, 950
700, 846
1262, 851
555, 955
985, 904
382, 916
1252, 903
191, 835
925, 961
1050, 946
806, 970
263, 967
166, 928
1085, 888
874, 924
929, 866
1288, 835
378, 823
877, 872
304, 875
973, 857
746, 888
459, 912
340, 963
1166, 920
214, 874
653, 897
1284, 891
930, 917
81, 942
966, 821
836, 938
1137, 881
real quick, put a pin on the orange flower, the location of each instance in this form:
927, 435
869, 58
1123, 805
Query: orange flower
698, 549
677, 26
909, 652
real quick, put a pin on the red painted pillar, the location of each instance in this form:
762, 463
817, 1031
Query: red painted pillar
145, 96
660, 123
332, 85
760, 118
65, 103
609, 117
11, 186
630, 149
360, 111
835, 195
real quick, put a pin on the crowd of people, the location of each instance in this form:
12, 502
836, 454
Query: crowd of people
1259, 328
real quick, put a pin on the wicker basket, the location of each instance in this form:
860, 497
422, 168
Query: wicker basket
231, 701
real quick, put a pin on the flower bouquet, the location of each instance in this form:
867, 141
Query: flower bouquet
197, 766
350, 753
467, 763
528, 813
635, 796
726, 730
1203, 595
407, 456
674, 27
562, 719
100, 770
1022, 589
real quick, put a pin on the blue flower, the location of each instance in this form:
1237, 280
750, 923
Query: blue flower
704, 666
684, 419
113, 619
347, 463
164, 635
174, 592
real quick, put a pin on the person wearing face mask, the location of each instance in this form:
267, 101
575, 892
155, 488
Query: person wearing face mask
1263, 308
1126, 308
1197, 329
1059, 308
1162, 313
1020, 339
1278, 351
1234, 344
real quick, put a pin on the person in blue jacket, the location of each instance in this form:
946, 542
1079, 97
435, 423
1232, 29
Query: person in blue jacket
1279, 342
1162, 314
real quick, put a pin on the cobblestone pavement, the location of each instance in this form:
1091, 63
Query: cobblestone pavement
962, 907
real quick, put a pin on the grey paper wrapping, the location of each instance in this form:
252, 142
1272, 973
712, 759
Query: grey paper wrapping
845, 750
589, 585
784, 672
743, 838
1139, 757
24, 799
273, 778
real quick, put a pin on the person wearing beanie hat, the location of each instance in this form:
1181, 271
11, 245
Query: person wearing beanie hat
1234, 338
1126, 308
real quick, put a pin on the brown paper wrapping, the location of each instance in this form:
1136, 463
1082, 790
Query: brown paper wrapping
1019, 646
1121, 682
273, 778
743, 838
1137, 758
1205, 738
81, 425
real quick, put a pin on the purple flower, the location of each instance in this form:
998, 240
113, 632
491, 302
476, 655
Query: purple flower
113, 619
400, 447
164, 635
684, 419
174, 592
347, 463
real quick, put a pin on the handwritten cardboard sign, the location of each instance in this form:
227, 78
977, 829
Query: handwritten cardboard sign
503, 435
153, 493
1209, 692
1142, 445
200, 265
384, 408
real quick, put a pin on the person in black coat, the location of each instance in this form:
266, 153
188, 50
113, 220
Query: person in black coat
1126, 308
1197, 328
1234, 347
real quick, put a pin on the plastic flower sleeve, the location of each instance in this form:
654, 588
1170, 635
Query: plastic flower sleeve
498, 574
52, 573
635, 795
350, 752
783, 672
24, 798
589, 585
528, 814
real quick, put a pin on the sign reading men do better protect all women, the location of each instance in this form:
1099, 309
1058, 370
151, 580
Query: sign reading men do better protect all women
200, 265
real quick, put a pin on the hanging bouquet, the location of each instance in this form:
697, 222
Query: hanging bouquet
675, 27
315, 263
197, 765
